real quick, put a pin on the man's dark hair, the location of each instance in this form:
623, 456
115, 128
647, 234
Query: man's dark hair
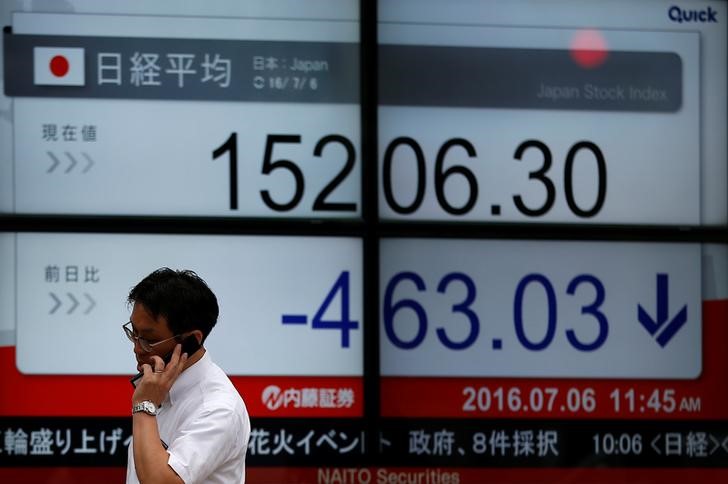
182, 297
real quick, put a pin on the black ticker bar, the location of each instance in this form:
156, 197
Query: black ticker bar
104, 441
541, 443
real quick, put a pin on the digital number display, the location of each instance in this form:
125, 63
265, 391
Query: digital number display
540, 309
279, 100
483, 329
531, 119
70, 293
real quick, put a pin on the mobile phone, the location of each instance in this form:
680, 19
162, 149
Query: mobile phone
189, 345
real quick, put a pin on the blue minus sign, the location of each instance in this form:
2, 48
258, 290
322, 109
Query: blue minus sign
294, 319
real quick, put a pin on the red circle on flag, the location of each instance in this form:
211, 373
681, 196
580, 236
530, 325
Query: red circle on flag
59, 66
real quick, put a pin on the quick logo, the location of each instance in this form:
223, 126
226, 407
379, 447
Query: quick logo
681, 15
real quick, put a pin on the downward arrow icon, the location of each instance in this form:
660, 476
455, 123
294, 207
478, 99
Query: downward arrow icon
653, 325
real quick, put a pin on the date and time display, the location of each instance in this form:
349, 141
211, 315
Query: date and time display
556, 401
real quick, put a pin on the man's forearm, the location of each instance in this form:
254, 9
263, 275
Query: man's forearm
150, 457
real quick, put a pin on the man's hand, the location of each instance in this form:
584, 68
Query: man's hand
157, 381
150, 457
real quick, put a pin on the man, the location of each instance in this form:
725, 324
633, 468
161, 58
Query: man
189, 423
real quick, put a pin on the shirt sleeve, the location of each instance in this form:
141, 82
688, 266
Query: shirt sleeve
206, 441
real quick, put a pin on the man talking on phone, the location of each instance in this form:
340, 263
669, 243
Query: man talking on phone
189, 423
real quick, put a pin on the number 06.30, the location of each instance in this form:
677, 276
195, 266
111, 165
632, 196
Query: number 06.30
541, 175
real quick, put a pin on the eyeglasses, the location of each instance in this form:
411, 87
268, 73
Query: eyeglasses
145, 344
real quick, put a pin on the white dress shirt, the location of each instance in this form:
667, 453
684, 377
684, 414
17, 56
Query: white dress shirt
205, 426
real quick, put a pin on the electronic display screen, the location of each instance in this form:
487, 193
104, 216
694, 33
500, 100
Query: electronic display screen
451, 241
267, 288
511, 360
137, 109
567, 112
534, 355
540, 309
107, 113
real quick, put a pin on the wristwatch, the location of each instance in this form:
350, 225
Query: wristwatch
147, 406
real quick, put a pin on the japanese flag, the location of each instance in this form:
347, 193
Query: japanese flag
58, 66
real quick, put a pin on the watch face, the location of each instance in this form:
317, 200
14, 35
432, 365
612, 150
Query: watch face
145, 406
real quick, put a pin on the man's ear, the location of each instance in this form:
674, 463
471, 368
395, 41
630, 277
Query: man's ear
198, 334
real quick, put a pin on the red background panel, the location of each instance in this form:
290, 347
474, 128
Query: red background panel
110, 396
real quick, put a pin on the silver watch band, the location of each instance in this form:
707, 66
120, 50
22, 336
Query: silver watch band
146, 406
